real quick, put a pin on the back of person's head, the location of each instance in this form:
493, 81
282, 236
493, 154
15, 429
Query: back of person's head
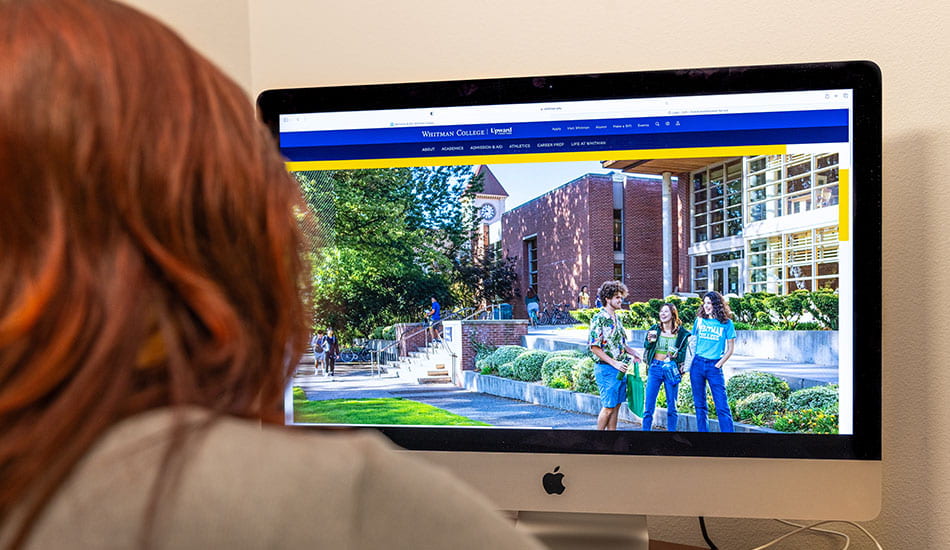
150, 250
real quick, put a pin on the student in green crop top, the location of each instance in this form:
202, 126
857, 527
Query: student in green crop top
664, 345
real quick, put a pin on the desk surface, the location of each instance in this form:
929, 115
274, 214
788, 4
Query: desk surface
661, 545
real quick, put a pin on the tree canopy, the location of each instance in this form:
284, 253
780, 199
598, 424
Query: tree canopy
385, 240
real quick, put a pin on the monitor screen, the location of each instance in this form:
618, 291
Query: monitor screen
491, 255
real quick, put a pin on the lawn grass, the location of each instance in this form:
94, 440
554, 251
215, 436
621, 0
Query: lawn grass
389, 410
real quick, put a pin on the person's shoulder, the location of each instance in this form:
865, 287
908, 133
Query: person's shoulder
233, 483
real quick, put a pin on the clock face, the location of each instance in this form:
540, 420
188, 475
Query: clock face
487, 212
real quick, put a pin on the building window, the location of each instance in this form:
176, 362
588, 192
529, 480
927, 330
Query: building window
701, 273
717, 201
801, 260
618, 230
618, 272
718, 271
531, 253
782, 185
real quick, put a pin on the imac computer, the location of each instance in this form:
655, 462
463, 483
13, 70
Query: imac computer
458, 200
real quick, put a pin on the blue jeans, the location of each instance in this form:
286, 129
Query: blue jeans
655, 377
701, 371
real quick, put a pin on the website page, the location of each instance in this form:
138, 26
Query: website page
646, 264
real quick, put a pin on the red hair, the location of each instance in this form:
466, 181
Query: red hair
151, 256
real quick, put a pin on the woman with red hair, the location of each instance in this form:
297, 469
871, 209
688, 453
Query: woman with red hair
151, 314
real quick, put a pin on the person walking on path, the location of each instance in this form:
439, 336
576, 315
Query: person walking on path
319, 345
608, 343
715, 337
665, 346
532, 303
435, 320
333, 350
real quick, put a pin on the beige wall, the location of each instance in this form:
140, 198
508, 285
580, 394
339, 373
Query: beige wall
218, 29
300, 42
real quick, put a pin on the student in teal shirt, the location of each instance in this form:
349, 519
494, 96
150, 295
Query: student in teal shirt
715, 337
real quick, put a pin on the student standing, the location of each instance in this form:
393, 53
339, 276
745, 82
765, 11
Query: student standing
608, 343
665, 346
715, 337
583, 298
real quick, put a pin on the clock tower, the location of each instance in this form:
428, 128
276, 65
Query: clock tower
489, 204
490, 201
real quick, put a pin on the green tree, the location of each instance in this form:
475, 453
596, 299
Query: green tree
485, 280
384, 240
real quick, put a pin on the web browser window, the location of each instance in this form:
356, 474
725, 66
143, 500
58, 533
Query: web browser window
748, 195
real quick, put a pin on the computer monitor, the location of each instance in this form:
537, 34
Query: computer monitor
761, 183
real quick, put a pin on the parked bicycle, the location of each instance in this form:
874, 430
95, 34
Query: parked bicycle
558, 314
356, 354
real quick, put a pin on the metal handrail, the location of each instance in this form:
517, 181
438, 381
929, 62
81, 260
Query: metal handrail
426, 330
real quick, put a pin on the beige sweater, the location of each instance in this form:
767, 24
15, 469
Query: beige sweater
248, 487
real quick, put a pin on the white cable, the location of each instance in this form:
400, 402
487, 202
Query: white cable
812, 527
847, 539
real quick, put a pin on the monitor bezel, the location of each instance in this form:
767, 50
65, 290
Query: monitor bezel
863, 77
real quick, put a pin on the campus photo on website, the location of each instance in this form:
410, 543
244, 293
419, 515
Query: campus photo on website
680, 293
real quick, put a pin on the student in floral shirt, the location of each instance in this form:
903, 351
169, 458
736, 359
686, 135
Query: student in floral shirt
608, 343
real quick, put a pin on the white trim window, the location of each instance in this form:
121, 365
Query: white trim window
717, 201
783, 185
800, 260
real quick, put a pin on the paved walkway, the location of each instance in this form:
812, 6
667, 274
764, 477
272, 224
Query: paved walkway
498, 411
353, 381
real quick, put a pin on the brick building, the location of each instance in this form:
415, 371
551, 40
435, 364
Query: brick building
598, 228
766, 223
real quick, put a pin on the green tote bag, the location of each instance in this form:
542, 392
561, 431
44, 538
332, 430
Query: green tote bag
635, 391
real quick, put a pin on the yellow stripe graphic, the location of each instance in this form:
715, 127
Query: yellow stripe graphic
844, 210
632, 154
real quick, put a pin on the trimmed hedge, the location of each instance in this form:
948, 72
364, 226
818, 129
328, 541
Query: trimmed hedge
501, 356
583, 375
753, 311
818, 398
527, 366
557, 367
747, 383
762, 405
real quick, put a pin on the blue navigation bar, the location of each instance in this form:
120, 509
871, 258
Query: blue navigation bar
569, 128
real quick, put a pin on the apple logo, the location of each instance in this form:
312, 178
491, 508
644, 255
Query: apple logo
553, 482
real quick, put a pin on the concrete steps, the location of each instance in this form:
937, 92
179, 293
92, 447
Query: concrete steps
428, 366
440, 375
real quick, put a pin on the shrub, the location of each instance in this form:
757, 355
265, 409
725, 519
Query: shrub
583, 316
502, 355
807, 421
823, 306
507, 370
557, 367
483, 350
745, 384
684, 401
527, 367
583, 375
485, 367
818, 398
762, 404
560, 383
575, 353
